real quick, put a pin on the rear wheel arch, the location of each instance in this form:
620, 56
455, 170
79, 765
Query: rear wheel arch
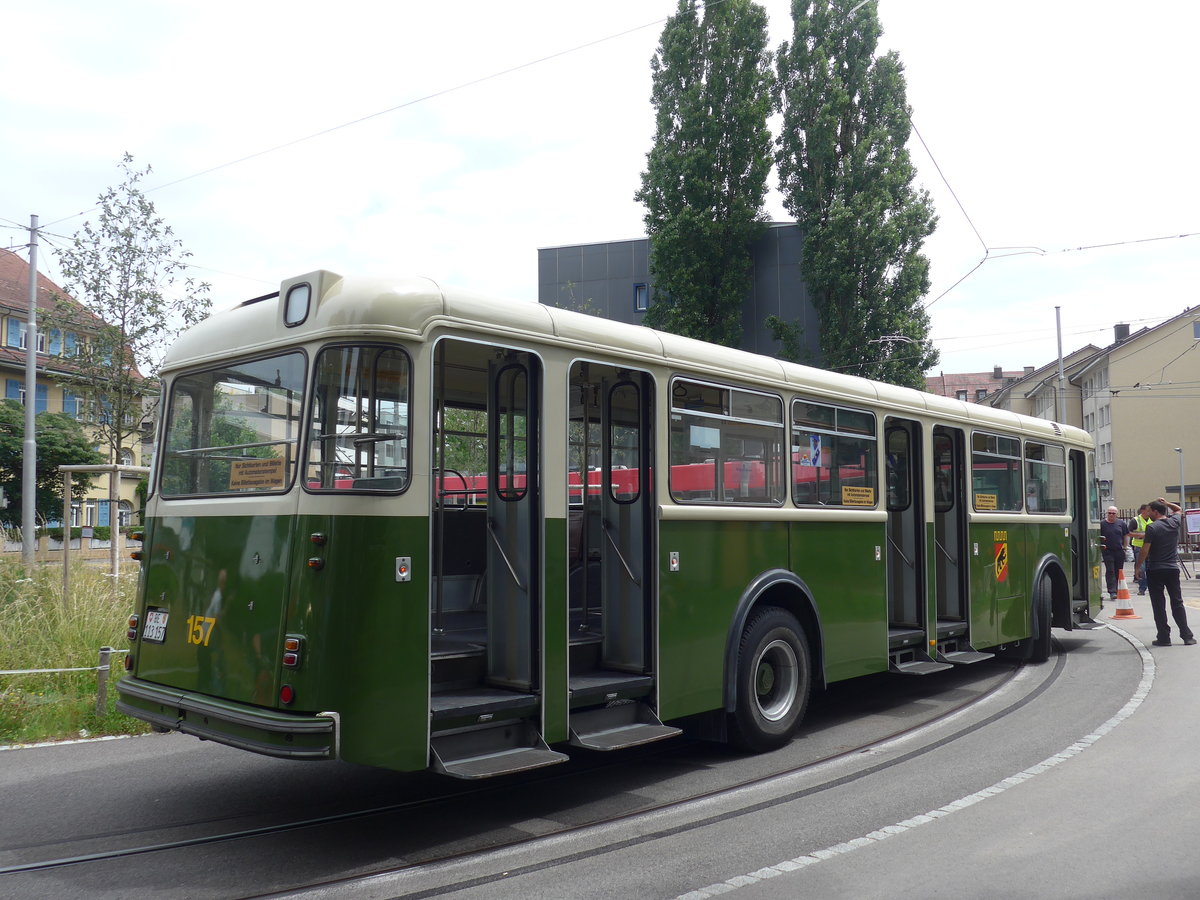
785, 590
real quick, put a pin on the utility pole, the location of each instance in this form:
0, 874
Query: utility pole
29, 447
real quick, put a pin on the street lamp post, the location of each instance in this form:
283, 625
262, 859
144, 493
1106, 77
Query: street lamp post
1182, 497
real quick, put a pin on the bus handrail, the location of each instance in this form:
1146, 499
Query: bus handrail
621, 556
896, 547
194, 450
504, 556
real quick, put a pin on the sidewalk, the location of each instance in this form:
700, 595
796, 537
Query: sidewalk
1190, 588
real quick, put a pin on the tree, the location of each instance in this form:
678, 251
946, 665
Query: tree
60, 442
127, 275
706, 175
847, 177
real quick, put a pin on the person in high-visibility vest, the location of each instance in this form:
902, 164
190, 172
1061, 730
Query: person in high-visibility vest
1137, 535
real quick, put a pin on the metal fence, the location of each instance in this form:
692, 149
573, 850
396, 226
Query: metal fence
101, 669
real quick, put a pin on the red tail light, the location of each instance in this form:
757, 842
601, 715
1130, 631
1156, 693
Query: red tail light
287, 694
132, 633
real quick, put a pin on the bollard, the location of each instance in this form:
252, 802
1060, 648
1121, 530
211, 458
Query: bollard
102, 681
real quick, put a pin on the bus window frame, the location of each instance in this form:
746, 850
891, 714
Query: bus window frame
1020, 459
870, 471
312, 399
159, 463
1029, 480
783, 440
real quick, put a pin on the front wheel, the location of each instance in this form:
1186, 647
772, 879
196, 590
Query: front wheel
773, 680
1039, 644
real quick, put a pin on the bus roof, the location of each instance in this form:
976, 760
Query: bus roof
413, 308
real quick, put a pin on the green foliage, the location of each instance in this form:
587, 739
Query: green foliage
706, 175
847, 178
127, 274
38, 632
60, 442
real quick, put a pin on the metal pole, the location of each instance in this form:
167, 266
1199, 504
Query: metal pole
102, 680
29, 447
1062, 398
1182, 495
67, 539
114, 526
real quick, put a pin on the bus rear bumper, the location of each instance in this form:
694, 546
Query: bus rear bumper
267, 731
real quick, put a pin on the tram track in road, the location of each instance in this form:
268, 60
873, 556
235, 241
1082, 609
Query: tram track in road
724, 814
546, 782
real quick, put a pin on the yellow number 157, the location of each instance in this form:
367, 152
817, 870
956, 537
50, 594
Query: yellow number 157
200, 629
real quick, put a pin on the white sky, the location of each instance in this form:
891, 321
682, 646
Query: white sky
1059, 124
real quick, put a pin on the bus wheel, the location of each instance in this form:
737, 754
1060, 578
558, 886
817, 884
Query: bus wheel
1039, 644
773, 680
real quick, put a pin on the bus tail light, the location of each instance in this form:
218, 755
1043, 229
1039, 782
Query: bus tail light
128, 662
287, 694
132, 633
293, 645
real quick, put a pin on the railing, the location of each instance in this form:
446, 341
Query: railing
101, 669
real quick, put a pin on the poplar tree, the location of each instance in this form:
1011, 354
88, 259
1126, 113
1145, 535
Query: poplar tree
129, 279
706, 174
846, 176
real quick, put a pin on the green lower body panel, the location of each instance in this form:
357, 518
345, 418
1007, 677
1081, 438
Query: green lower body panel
266, 731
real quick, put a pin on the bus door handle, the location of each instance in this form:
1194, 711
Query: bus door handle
945, 553
504, 556
621, 556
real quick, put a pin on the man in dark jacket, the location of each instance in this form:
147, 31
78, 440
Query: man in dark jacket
1159, 560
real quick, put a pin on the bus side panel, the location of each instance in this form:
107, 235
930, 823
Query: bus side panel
223, 584
366, 635
992, 548
837, 562
696, 604
554, 694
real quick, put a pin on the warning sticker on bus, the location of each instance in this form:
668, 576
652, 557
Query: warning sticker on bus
985, 501
256, 474
858, 496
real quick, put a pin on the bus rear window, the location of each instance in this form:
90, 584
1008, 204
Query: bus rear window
359, 435
234, 429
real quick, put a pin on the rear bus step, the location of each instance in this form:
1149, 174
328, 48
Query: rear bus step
626, 724
906, 662
500, 750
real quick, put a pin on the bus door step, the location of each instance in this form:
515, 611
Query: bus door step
626, 724
1088, 625
918, 667
964, 657
499, 750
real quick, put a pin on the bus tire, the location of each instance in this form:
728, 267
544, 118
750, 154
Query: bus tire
1039, 643
773, 681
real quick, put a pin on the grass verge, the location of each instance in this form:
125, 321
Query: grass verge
39, 631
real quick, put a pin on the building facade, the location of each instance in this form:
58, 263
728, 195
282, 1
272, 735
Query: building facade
612, 280
53, 390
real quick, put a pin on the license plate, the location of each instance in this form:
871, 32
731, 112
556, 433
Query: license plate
155, 629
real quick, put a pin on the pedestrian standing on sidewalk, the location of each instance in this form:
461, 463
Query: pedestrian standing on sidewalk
1115, 533
1159, 561
1114, 547
1137, 532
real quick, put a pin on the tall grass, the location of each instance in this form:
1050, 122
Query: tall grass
39, 631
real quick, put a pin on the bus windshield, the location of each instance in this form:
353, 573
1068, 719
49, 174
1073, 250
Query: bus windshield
233, 429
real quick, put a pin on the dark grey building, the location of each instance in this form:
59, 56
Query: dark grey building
612, 280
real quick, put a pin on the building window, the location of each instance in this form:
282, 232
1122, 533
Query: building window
124, 513
641, 297
980, 394
961, 395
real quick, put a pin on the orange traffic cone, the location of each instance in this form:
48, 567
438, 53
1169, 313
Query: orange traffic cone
1124, 601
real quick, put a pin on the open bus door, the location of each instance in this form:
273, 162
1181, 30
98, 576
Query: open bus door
908, 609
485, 642
951, 568
612, 549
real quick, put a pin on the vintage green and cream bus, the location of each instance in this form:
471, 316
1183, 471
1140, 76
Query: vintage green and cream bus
410, 527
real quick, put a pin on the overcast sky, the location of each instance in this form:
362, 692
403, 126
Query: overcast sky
1059, 125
